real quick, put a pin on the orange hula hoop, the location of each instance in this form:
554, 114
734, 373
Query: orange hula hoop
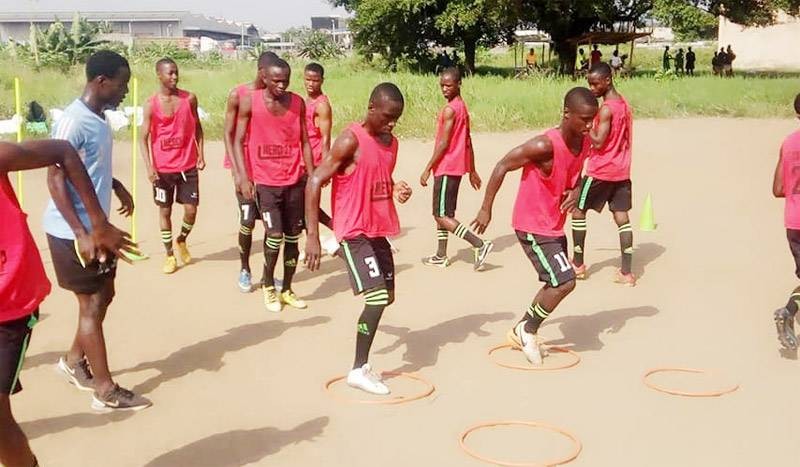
569, 458
430, 388
676, 392
570, 364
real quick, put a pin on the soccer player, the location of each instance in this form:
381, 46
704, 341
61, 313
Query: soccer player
272, 120
551, 167
453, 157
361, 164
786, 184
84, 126
608, 173
319, 115
248, 211
172, 148
23, 284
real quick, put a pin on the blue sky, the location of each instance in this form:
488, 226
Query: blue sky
269, 15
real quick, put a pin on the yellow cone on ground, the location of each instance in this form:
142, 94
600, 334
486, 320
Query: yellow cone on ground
647, 223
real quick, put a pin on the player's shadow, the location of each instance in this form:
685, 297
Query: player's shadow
583, 332
208, 354
466, 254
643, 255
47, 426
45, 358
423, 346
338, 283
788, 354
239, 447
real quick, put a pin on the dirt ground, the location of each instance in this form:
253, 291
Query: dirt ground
234, 385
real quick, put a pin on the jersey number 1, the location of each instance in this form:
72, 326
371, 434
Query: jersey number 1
563, 261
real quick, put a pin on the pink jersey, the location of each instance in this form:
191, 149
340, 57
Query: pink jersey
538, 206
456, 160
172, 138
314, 133
612, 162
274, 142
790, 160
241, 91
23, 283
362, 200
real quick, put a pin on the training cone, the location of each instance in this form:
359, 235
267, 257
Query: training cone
647, 223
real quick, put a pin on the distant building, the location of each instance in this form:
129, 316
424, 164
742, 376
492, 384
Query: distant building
336, 26
134, 24
763, 48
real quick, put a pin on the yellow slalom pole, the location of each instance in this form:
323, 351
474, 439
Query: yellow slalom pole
138, 256
18, 110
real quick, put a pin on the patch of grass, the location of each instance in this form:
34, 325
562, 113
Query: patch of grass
496, 102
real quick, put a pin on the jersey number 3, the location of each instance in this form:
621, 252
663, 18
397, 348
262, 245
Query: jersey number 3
374, 271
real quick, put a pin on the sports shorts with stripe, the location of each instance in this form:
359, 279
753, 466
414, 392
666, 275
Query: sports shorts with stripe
595, 193
445, 195
15, 337
549, 257
282, 208
370, 263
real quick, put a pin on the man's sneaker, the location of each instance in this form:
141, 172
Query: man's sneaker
271, 300
170, 265
436, 260
580, 271
526, 342
245, 281
481, 253
625, 279
119, 398
79, 376
365, 379
288, 297
330, 245
186, 257
784, 323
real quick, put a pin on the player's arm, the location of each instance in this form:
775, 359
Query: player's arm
536, 150
777, 179
124, 196
340, 157
144, 142
448, 122
198, 133
324, 113
229, 129
308, 156
474, 178
600, 131
243, 183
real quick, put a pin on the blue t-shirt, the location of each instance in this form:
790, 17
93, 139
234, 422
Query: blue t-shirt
91, 136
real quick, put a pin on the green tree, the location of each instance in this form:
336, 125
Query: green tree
55, 46
317, 45
687, 21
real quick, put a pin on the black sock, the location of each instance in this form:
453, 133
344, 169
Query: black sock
166, 239
376, 302
534, 317
325, 219
186, 229
464, 233
626, 247
578, 240
792, 304
441, 237
291, 251
245, 244
272, 247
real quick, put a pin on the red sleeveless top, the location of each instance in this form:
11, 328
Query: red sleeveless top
23, 283
274, 142
790, 158
172, 138
455, 161
537, 208
241, 91
612, 162
314, 133
362, 200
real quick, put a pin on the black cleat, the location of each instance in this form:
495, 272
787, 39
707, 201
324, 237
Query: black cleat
784, 323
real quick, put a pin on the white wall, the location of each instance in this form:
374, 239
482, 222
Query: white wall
763, 48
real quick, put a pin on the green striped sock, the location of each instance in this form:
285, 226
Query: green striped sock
166, 239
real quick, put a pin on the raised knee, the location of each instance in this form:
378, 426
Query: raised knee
566, 288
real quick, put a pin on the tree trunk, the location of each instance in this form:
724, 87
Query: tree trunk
470, 45
567, 54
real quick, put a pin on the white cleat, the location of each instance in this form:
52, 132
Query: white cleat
365, 379
530, 344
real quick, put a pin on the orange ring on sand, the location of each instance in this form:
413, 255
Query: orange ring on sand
533, 368
676, 392
571, 457
398, 400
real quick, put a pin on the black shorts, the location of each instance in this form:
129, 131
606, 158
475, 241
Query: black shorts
183, 187
248, 210
15, 336
794, 246
282, 208
369, 262
74, 276
549, 257
596, 193
445, 195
